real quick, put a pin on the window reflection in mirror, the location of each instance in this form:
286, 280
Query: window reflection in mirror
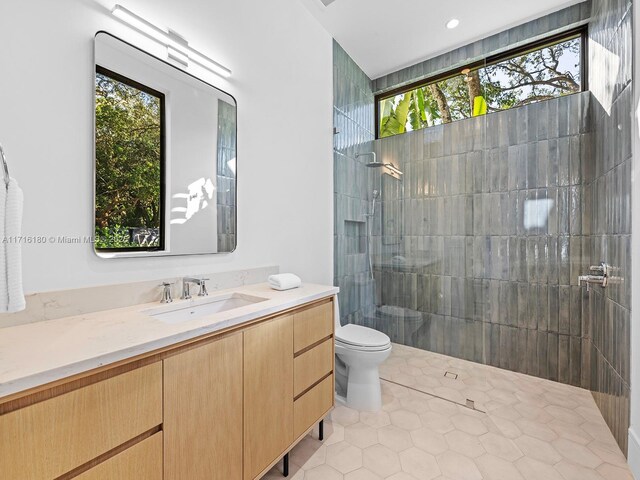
130, 124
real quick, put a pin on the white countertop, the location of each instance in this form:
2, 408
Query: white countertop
38, 353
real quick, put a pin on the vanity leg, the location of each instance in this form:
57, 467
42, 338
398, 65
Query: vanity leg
285, 465
321, 430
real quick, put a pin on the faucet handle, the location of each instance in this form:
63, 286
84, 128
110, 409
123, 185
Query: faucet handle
203, 288
166, 292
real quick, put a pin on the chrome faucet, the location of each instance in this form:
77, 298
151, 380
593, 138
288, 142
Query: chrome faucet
166, 292
187, 281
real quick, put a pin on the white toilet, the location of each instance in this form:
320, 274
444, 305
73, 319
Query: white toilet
359, 351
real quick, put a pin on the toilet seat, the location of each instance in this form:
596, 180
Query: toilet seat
355, 348
360, 338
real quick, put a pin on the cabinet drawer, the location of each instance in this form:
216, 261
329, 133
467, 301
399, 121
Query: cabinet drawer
142, 461
312, 406
55, 436
311, 366
312, 325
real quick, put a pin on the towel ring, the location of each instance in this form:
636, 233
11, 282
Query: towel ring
4, 165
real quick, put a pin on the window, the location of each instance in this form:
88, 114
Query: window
129, 164
541, 71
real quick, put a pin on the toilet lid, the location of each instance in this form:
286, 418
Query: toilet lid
361, 336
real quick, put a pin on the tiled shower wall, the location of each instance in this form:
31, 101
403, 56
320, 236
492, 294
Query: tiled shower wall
353, 133
226, 177
607, 209
461, 238
490, 238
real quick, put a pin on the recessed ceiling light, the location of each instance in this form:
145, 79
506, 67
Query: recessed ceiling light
453, 23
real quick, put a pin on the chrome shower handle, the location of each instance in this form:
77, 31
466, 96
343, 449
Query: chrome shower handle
599, 276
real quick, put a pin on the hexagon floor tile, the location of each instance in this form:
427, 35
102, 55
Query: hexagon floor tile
528, 429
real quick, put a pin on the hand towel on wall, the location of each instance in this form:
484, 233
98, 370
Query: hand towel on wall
4, 293
13, 249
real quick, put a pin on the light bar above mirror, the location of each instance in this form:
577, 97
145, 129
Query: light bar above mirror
170, 40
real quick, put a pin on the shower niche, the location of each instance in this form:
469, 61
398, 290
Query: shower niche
356, 236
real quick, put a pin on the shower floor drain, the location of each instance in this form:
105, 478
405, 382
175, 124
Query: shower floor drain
452, 375
470, 404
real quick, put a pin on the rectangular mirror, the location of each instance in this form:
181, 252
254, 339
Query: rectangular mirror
165, 157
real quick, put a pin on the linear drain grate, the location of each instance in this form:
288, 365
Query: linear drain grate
452, 375
470, 404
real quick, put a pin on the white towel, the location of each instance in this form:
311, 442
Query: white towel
284, 281
4, 294
13, 248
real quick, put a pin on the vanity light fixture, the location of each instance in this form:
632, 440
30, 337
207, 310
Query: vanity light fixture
453, 23
178, 49
178, 56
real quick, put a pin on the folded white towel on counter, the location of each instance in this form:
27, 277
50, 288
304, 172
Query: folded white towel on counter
13, 252
284, 281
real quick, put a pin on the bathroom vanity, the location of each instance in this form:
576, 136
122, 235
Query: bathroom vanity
224, 396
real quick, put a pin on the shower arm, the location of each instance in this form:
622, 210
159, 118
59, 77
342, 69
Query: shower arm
375, 160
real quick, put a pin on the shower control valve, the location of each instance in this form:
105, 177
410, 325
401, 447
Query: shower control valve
599, 275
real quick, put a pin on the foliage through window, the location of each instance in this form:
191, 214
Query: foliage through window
129, 164
538, 74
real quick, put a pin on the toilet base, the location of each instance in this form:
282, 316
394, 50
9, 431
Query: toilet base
358, 372
341, 400
363, 389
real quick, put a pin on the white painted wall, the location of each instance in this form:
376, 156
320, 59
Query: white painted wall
282, 79
634, 429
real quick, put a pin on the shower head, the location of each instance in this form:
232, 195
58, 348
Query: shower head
376, 194
374, 163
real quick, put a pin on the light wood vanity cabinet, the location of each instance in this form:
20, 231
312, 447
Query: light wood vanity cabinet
311, 366
142, 461
313, 329
47, 439
225, 406
312, 324
268, 394
312, 406
203, 412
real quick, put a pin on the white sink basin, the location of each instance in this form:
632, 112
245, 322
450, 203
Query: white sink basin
202, 307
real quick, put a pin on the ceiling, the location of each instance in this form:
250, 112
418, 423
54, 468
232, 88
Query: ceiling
383, 36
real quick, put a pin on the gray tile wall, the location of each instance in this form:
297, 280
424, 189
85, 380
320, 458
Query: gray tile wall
226, 177
353, 123
607, 210
556, 22
491, 238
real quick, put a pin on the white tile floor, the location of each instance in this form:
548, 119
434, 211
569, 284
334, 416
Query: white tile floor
533, 429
